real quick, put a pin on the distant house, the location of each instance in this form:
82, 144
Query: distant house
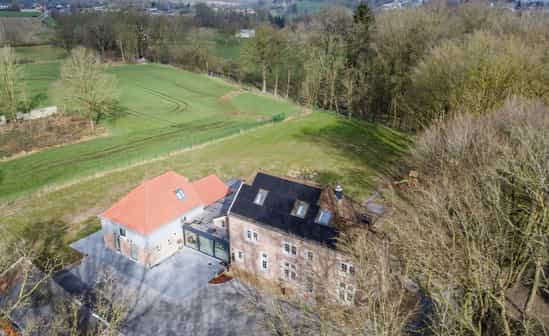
285, 232
246, 33
147, 225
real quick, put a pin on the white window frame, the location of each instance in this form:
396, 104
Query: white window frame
292, 249
263, 257
263, 192
120, 230
346, 267
238, 255
347, 291
254, 236
306, 255
289, 271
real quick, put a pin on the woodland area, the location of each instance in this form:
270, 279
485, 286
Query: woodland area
406, 68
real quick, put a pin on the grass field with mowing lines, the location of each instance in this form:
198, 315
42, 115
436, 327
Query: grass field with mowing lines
5, 13
39, 78
167, 110
40, 53
342, 151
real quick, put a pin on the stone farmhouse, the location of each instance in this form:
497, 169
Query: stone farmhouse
281, 230
286, 232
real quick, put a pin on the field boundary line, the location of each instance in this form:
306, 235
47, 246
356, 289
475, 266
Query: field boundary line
57, 187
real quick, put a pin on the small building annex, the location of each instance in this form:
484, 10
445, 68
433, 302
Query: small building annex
147, 224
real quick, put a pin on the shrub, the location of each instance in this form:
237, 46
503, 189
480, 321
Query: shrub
279, 117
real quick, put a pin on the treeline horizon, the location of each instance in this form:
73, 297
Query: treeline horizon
406, 68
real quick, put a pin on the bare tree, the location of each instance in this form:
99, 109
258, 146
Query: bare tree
478, 224
10, 82
88, 89
17, 272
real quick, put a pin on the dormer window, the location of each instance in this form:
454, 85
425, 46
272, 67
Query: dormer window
261, 196
180, 194
300, 209
323, 217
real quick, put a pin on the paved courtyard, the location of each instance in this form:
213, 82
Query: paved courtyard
173, 298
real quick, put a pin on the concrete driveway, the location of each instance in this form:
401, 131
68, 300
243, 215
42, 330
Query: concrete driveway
173, 298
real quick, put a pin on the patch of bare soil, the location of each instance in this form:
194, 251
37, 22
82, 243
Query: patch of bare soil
24, 137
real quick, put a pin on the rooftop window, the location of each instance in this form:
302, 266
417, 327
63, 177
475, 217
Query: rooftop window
323, 217
180, 194
300, 209
261, 196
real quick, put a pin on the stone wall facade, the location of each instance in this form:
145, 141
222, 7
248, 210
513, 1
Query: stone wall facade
302, 266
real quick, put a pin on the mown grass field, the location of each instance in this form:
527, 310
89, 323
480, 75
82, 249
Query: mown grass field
347, 152
39, 53
5, 13
166, 110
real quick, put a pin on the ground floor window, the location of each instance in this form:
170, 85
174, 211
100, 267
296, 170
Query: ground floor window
206, 245
289, 271
346, 292
264, 262
191, 239
221, 251
309, 284
133, 251
237, 255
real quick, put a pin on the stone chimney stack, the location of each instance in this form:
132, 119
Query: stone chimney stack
339, 192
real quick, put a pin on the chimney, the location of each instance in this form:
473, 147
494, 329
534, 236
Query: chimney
339, 192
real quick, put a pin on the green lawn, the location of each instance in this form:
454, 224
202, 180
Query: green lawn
167, 110
347, 152
19, 14
39, 78
39, 53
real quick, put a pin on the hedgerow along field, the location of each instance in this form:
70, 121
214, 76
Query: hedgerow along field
166, 109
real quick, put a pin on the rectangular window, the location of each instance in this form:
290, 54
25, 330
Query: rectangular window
264, 262
237, 255
323, 217
300, 209
309, 284
347, 268
346, 292
289, 249
260, 197
251, 236
309, 256
133, 251
221, 251
205, 245
122, 232
289, 271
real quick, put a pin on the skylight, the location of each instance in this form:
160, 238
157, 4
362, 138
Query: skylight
323, 217
301, 209
261, 196
180, 194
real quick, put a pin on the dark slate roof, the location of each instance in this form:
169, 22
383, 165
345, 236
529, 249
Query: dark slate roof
276, 211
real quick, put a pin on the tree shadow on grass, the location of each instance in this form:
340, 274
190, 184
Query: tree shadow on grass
46, 239
373, 148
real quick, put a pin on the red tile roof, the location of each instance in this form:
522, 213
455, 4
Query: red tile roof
210, 189
154, 202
